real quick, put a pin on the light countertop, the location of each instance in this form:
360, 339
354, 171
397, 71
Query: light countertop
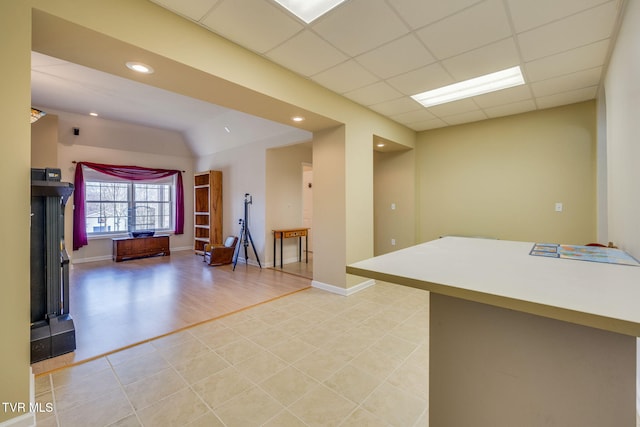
502, 273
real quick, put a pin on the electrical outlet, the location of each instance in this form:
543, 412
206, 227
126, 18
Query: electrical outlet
559, 207
393, 242
393, 206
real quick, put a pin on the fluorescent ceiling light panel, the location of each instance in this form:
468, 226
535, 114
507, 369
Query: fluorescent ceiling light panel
477, 86
309, 10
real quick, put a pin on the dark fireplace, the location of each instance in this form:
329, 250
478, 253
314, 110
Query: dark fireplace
52, 329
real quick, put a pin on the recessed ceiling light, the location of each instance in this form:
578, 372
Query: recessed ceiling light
140, 67
297, 118
477, 86
309, 10
227, 129
93, 114
380, 144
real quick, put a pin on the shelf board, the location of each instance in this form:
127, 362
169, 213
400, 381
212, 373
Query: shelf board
202, 239
201, 226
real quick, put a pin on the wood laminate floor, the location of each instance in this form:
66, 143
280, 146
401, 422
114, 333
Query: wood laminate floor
302, 268
117, 305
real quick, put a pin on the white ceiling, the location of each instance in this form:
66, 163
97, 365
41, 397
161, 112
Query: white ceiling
73, 88
376, 53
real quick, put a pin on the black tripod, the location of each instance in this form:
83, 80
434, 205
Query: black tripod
245, 234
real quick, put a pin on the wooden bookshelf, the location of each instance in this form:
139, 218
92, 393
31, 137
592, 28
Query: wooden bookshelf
207, 209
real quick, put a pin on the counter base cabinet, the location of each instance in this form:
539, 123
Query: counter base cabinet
140, 247
521, 340
509, 368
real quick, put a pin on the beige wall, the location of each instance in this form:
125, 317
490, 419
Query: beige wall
44, 142
15, 163
394, 183
284, 195
501, 178
623, 129
329, 205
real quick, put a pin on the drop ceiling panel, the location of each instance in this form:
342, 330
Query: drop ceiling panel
487, 59
306, 54
585, 57
256, 25
413, 116
360, 25
453, 108
429, 124
345, 77
579, 80
468, 117
510, 109
577, 30
397, 57
420, 13
469, 29
565, 98
192, 9
502, 97
527, 14
397, 106
373, 94
423, 79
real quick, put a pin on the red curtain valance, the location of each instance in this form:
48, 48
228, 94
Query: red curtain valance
132, 173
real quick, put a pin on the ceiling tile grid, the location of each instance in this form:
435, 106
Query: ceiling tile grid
477, 26
258, 25
391, 59
379, 52
345, 77
306, 54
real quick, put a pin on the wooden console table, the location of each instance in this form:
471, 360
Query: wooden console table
138, 247
288, 233
521, 340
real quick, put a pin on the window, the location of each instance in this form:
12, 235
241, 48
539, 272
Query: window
125, 198
114, 205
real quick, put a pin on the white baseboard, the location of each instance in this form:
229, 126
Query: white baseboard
343, 291
91, 259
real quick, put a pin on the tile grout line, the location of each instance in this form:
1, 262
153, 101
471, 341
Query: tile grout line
190, 386
55, 403
115, 374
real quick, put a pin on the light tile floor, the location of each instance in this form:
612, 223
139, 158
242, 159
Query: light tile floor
309, 359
